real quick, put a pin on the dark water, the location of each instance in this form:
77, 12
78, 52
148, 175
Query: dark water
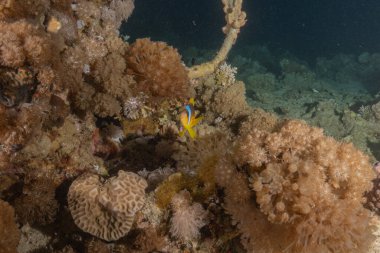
305, 28
325, 50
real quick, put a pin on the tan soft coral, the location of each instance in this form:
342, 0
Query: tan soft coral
98, 58
340, 226
16, 127
199, 160
157, 69
37, 204
12, 9
109, 71
229, 102
27, 45
225, 106
22, 42
295, 166
306, 184
9, 233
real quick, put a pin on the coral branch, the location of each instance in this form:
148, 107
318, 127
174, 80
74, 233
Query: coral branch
235, 18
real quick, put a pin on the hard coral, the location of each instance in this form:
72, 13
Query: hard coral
157, 69
106, 209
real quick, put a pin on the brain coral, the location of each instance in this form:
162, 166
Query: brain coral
158, 69
106, 209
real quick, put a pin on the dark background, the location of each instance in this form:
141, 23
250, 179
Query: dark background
305, 28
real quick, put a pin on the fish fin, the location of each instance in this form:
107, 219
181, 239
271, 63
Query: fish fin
192, 133
195, 121
181, 133
192, 101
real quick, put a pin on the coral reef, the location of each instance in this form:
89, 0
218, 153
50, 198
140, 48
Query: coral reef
91, 159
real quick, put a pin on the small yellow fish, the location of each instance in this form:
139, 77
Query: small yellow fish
188, 120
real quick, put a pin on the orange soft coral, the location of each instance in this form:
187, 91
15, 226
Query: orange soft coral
157, 69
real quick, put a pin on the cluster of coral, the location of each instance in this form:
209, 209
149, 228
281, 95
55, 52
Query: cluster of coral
91, 159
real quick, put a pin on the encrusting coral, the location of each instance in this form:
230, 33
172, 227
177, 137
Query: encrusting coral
107, 209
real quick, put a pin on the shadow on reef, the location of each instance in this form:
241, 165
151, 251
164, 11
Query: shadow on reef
375, 147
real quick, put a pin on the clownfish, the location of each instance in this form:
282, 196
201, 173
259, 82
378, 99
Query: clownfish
188, 119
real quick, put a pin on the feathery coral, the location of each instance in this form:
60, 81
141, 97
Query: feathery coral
187, 219
157, 69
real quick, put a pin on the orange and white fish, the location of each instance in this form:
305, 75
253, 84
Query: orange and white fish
188, 120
